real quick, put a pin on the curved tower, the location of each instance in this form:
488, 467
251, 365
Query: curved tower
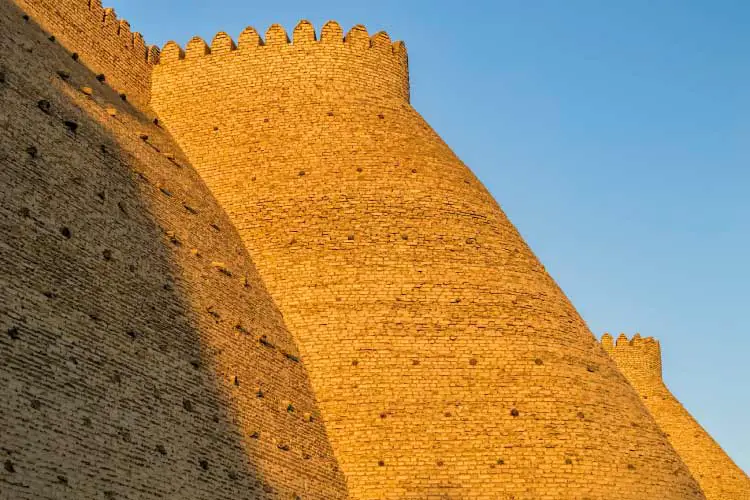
639, 360
446, 361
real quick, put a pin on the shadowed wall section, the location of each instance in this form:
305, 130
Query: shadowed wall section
140, 355
447, 362
640, 360
104, 43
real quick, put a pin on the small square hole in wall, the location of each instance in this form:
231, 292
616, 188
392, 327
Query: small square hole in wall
71, 126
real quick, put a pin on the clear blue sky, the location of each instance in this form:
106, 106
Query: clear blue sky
616, 136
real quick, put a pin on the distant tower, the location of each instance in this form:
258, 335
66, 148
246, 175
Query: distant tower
446, 361
639, 360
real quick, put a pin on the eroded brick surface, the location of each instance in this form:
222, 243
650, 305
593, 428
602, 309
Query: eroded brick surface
640, 360
140, 355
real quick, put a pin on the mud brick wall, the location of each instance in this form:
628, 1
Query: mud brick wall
640, 360
140, 354
104, 43
446, 361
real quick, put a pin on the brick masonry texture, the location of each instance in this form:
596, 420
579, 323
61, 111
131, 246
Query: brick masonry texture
640, 360
153, 288
106, 45
140, 355
446, 361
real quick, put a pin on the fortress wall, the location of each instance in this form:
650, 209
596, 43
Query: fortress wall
140, 354
105, 44
447, 362
639, 360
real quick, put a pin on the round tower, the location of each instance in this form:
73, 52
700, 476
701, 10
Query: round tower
447, 362
639, 359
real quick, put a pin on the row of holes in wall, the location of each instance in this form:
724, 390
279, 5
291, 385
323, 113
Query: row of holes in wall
72, 126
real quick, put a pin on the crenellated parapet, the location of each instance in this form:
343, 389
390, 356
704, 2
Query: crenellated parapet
305, 65
276, 37
638, 358
97, 38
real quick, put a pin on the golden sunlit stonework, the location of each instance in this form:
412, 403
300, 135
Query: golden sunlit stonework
250, 269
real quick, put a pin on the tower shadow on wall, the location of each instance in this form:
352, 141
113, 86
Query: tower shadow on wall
110, 337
